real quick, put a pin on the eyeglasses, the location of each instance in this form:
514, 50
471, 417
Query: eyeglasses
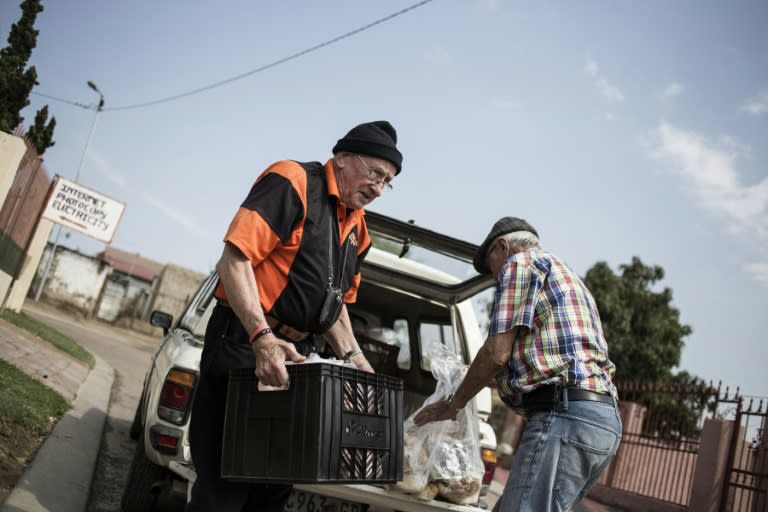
376, 176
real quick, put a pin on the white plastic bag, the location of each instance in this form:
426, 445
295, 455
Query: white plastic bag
443, 457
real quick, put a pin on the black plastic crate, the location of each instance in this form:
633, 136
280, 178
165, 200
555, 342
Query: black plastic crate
333, 425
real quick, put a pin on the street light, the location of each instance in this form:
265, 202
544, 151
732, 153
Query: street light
47, 269
93, 126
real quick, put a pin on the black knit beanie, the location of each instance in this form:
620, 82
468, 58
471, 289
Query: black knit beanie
377, 139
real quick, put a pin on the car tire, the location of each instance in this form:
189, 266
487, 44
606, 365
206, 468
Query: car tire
136, 426
139, 495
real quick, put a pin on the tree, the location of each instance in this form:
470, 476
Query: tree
645, 340
17, 81
643, 330
40, 134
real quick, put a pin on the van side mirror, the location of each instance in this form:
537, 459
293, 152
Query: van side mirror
161, 319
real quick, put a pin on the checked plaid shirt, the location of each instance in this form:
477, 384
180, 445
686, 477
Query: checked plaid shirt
564, 342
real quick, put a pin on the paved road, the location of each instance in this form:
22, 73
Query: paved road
129, 353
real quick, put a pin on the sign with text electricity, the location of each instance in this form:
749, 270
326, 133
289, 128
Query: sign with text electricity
82, 209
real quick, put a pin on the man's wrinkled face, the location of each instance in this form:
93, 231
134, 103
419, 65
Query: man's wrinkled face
362, 178
497, 255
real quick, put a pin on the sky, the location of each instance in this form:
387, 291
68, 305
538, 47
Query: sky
617, 129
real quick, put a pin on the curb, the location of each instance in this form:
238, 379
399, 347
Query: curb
59, 477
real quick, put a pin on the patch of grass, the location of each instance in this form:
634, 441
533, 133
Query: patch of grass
50, 335
28, 412
27, 402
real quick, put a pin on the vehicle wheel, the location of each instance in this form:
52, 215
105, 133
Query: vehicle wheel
143, 474
136, 426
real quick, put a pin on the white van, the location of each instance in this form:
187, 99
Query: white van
405, 304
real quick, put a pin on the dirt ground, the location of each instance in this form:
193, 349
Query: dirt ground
17, 449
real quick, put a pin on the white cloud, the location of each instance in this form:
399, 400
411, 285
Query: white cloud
709, 171
712, 172
591, 68
673, 89
606, 88
759, 271
177, 216
609, 90
105, 168
758, 105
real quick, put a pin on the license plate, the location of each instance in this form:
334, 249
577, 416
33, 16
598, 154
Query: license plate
301, 501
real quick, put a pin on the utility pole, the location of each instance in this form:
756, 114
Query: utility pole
48, 263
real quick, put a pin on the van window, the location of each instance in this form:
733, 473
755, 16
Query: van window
199, 308
430, 333
400, 327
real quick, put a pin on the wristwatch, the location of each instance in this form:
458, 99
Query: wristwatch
449, 402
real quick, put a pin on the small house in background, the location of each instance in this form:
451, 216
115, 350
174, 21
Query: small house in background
174, 287
115, 286
74, 280
128, 288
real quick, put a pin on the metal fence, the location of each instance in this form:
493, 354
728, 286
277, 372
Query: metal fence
661, 444
746, 486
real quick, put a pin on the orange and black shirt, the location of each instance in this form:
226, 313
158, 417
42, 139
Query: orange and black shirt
284, 226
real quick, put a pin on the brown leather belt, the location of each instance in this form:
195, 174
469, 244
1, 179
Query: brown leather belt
284, 330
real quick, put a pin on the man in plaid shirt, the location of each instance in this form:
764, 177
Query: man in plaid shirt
546, 349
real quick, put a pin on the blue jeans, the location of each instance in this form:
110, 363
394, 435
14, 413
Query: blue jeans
562, 453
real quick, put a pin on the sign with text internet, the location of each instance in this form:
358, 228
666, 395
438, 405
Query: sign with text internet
77, 207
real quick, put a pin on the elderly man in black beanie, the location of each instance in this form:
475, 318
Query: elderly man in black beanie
291, 261
546, 349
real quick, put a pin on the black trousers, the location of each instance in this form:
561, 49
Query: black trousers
226, 347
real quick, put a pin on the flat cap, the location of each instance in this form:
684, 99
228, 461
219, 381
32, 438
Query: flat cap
503, 226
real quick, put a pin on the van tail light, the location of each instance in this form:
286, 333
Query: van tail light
176, 396
168, 441
489, 461
165, 439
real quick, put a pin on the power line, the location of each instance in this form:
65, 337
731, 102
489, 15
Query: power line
247, 73
75, 103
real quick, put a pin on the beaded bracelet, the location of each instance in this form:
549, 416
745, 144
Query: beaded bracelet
258, 334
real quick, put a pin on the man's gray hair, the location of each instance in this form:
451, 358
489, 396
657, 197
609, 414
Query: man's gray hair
521, 239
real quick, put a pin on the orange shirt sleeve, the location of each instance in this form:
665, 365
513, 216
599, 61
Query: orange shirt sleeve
267, 217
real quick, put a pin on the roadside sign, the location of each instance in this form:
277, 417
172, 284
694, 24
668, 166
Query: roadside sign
77, 207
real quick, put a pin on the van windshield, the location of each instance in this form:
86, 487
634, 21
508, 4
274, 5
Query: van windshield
195, 317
